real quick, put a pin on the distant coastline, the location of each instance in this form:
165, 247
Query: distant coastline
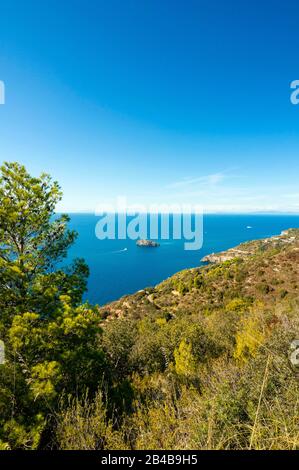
134, 269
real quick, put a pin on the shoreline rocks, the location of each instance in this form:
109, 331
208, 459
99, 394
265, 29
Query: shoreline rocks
246, 249
224, 256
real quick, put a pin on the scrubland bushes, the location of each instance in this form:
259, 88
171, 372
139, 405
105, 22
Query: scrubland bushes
200, 362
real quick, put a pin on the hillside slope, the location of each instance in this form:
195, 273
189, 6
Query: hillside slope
202, 360
266, 270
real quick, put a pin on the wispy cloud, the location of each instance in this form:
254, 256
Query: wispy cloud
291, 196
208, 180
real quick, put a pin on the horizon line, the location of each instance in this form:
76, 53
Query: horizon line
88, 212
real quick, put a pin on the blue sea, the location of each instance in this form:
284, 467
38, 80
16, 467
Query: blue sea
119, 267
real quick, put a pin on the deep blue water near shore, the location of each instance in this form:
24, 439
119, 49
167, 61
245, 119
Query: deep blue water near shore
119, 267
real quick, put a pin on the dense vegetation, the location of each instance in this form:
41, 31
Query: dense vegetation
198, 362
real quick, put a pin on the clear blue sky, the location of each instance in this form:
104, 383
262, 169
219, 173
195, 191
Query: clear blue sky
170, 101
